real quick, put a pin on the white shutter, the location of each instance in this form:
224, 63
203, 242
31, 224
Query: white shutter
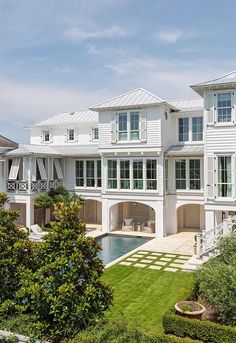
143, 126
58, 168
42, 170
233, 98
210, 177
14, 169
210, 108
113, 128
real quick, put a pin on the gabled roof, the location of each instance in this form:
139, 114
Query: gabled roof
134, 98
188, 105
7, 143
81, 118
226, 79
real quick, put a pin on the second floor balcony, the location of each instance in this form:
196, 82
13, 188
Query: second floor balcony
37, 186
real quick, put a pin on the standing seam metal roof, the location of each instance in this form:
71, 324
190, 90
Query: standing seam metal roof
188, 105
227, 78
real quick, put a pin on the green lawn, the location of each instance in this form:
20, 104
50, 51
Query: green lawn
143, 295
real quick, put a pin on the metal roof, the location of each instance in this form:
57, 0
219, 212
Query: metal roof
90, 150
185, 150
7, 143
188, 105
81, 118
226, 79
136, 97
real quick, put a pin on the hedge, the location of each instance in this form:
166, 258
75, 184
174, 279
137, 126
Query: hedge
198, 329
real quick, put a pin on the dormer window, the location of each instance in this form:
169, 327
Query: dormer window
95, 133
70, 135
224, 107
46, 136
128, 126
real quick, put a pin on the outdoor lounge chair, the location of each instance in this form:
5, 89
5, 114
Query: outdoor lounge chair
37, 231
149, 227
128, 224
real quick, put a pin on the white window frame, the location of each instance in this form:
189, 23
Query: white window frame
190, 134
217, 108
93, 134
68, 135
84, 162
187, 174
232, 178
44, 136
129, 131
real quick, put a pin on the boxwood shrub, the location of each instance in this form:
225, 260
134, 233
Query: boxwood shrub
198, 329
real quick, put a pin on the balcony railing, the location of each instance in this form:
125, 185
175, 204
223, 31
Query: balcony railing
33, 186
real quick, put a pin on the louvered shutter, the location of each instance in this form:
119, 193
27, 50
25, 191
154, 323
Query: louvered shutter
58, 168
210, 177
113, 128
143, 126
210, 101
42, 170
233, 98
14, 169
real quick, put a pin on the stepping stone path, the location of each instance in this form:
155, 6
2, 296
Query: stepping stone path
156, 261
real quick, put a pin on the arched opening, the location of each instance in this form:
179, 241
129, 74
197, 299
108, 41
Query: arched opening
132, 216
91, 213
190, 217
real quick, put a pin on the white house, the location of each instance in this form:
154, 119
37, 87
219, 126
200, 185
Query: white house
139, 162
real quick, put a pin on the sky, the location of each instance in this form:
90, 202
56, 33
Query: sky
68, 55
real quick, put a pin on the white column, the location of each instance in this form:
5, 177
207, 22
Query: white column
105, 216
209, 219
159, 219
29, 212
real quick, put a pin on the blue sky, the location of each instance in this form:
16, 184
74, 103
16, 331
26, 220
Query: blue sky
65, 55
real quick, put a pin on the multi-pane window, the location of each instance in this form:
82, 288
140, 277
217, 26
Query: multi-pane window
90, 174
180, 174
151, 171
138, 174
225, 176
224, 107
99, 174
194, 174
134, 126
124, 174
122, 127
112, 174
197, 129
95, 134
183, 129
46, 136
79, 173
70, 134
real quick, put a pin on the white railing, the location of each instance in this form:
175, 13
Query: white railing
208, 240
38, 186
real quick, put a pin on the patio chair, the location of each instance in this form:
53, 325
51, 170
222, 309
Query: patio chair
37, 230
128, 224
149, 227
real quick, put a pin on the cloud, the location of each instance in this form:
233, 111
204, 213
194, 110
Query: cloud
78, 34
170, 36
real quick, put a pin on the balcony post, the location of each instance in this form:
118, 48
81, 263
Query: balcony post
29, 174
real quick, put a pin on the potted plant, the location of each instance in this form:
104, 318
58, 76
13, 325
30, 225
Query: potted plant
190, 309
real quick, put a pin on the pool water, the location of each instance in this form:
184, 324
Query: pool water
114, 246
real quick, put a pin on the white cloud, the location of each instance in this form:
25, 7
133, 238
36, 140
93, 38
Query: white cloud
170, 36
78, 34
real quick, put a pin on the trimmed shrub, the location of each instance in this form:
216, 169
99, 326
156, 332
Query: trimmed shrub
198, 329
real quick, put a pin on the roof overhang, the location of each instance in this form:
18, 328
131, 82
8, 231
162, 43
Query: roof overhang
199, 89
185, 150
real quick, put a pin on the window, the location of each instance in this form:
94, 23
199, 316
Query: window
122, 127
124, 175
95, 134
224, 176
112, 174
90, 179
224, 107
138, 174
46, 136
151, 171
134, 126
183, 129
180, 174
79, 173
194, 174
71, 135
197, 129
99, 174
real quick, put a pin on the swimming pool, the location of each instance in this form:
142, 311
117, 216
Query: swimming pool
114, 246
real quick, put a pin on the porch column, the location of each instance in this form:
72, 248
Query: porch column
159, 219
29, 212
105, 216
209, 219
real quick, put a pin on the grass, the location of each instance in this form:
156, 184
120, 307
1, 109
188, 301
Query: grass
144, 295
